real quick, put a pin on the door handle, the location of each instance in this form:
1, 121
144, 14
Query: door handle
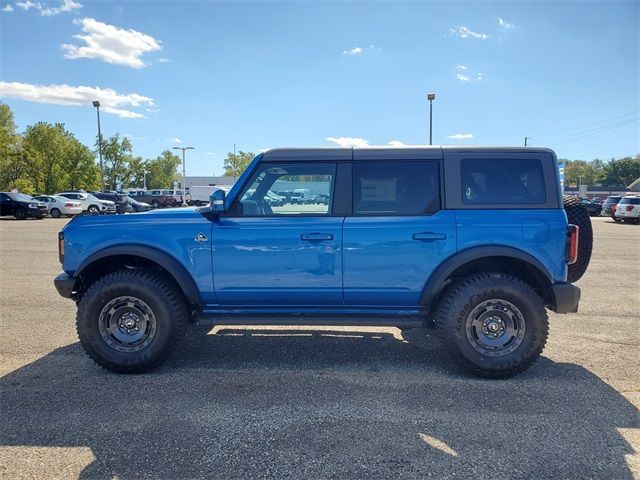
429, 236
311, 237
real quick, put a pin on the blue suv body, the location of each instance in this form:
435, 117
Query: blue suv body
399, 236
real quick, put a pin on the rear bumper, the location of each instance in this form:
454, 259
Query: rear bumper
567, 298
65, 285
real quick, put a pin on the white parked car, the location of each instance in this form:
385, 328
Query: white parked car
90, 203
58, 206
628, 209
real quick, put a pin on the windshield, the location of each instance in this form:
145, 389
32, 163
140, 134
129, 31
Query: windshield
20, 197
92, 197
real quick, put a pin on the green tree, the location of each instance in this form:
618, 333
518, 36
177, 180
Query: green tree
622, 171
116, 156
163, 170
80, 167
45, 147
236, 163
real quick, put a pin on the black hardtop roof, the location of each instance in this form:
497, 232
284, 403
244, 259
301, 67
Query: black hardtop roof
407, 151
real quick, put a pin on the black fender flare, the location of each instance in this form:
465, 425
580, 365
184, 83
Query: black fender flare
436, 282
180, 274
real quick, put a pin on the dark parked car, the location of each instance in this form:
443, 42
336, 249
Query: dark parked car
609, 205
137, 205
155, 198
122, 205
593, 208
21, 206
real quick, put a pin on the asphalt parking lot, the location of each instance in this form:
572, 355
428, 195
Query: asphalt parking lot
317, 403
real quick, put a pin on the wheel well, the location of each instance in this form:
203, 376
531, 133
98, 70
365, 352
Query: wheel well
518, 268
105, 265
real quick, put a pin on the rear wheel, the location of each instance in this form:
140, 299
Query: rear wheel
492, 325
131, 320
55, 213
155, 204
578, 215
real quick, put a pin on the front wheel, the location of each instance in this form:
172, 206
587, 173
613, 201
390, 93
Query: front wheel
20, 213
130, 321
492, 324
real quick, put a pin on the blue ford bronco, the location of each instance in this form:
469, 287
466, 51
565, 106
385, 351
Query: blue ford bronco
476, 241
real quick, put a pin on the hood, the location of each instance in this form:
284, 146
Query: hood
165, 215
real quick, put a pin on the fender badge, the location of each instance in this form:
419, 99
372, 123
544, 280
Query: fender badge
200, 238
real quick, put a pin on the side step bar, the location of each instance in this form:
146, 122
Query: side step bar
313, 320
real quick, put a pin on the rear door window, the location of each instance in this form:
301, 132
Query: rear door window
396, 188
502, 181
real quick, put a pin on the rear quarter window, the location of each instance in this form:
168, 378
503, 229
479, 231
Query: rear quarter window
502, 181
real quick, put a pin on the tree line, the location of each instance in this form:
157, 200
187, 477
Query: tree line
46, 158
615, 172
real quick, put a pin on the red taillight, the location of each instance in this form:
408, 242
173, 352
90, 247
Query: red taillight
629, 208
613, 207
573, 235
68, 205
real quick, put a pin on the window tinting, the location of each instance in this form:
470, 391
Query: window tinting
629, 201
504, 181
395, 188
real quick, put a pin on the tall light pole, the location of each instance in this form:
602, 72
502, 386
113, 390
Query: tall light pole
526, 141
431, 97
184, 190
97, 105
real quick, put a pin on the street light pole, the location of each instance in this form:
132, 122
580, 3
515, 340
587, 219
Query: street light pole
184, 190
431, 97
97, 105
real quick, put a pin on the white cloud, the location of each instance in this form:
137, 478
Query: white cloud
461, 136
111, 44
479, 77
7, 8
504, 24
164, 60
464, 32
110, 100
462, 78
353, 51
209, 153
462, 67
175, 140
349, 141
396, 143
152, 110
47, 11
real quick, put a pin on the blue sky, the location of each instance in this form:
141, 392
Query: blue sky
273, 74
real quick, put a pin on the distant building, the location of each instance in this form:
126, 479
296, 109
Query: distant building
203, 181
634, 186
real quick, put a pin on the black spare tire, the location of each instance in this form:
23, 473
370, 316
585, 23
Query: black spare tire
578, 215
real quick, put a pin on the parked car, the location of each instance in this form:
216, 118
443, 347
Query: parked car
593, 208
478, 240
138, 206
608, 206
120, 201
90, 204
58, 206
21, 206
628, 209
274, 199
155, 198
177, 197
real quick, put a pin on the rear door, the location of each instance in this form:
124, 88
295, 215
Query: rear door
280, 255
397, 233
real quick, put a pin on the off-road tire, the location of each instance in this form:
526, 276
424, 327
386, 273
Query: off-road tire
163, 299
55, 213
20, 213
454, 312
578, 215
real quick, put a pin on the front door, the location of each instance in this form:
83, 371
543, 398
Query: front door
6, 205
272, 252
398, 233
